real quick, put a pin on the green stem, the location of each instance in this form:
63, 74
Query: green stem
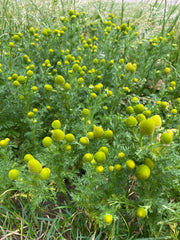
33, 134
164, 18
140, 140
10, 61
122, 11
134, 135
152, 137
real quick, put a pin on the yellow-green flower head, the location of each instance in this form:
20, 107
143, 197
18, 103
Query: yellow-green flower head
30, 73
30, 115
85, 112
134, 100
93, 161
97, 88
147, 113
28, 157
101, 85
47, 141
129, 110
98, 131
147, 127
67, 147
157, 121
84, 140
13, 174
105, 150
126, 89
31, 30
149, 162
130, 121
34, 88
93, 95
141, 213
16, 38
100, 157
70, 137
99, 169
121, 155
59, 80
117, 167
130, 164
47, 61
135, 80
7, 139
59, 63
90, 135
16, 83
167, 70
82, 73
103, 61
143, 172
11, 44
109, 93
140, 117
44, 174
171, 131
25, 58
3, 143
130, 67
58, 135
139, 108
163, 104
171, 88
48, 87
95, 61
166, 138
121, 61
46, 31
69, 57
56, 124
108, 134
85, 46
111, 62
67, 86
71, 12
172, 83
88, 157
123, 26
34, 166
174, 111
14, 76
76, 67
80, 80
108, 219
64, 28
111, 168
32, 66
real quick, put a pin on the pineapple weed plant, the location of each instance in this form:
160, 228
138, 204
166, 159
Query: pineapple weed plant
90, 118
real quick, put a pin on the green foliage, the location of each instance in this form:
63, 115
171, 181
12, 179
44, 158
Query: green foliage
103, 66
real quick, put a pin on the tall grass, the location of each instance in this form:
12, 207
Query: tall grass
150, 16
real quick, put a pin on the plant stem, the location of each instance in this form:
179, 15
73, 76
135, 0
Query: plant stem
122, 11
164, 18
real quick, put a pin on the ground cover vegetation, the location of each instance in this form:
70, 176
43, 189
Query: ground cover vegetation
89, 120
